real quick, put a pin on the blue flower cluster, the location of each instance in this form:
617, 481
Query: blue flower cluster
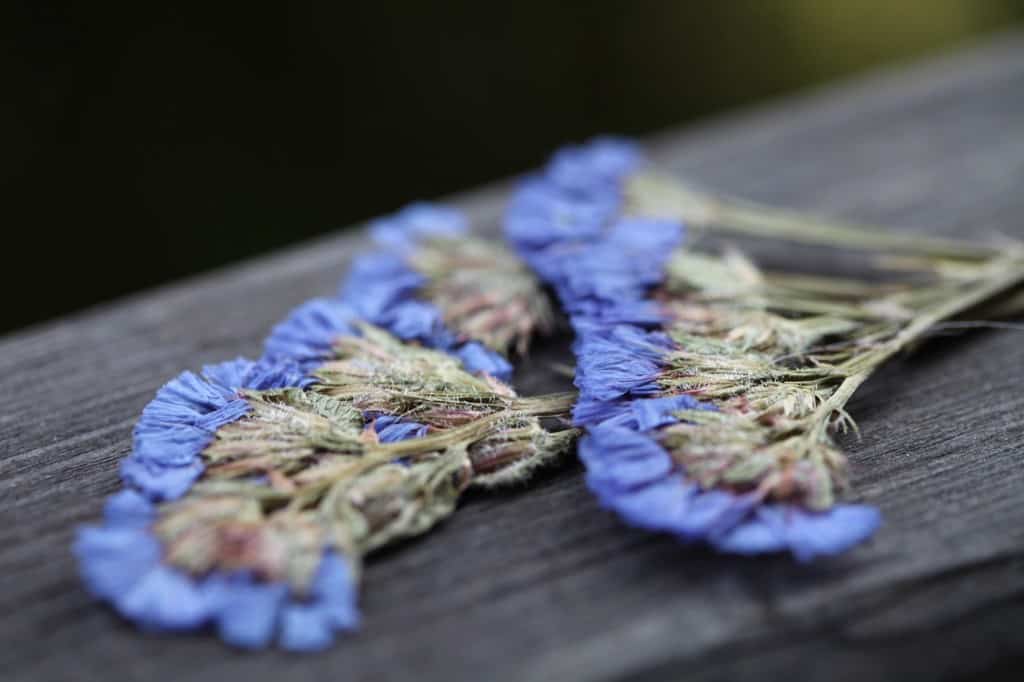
121, 559
121, 562
566, 223
181, 421
381, 288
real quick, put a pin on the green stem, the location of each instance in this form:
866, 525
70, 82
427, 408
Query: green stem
1010, 274
662, 194
550, 405
555, 404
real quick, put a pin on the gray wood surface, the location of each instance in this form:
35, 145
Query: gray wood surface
541, 584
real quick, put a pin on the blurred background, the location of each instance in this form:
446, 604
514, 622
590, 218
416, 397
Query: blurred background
148, 141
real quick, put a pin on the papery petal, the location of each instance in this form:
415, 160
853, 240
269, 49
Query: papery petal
541, 214
305, 628
377, 282
476, 357
172, 446
160, 482
810, 534
113, 558
246, 612
164, 599
621, 459
589, 411
416, 222
754, 535
415, 320
128, 508
627, 361
657, 506
335, 588
711, 513
307, 335
653, 413
392, 429
597, 166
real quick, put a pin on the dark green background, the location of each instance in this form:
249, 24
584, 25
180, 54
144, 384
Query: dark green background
147, 142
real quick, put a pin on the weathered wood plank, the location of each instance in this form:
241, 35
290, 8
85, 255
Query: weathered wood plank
542, 584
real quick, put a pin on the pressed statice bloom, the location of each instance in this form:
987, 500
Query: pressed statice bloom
120, 562
382, 296
379, 289
384, 289
431, 283
126, 562
565, 223
633, 475
295, 472
180, 421
258, 432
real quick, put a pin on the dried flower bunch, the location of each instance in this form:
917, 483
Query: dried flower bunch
254, 488
710, 391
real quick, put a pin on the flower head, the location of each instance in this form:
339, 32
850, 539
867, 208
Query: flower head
434, 287
182, 418
624, 361
649, 454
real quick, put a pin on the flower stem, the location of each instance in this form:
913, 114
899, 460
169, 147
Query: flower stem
551, 405
1007, 273
659, 194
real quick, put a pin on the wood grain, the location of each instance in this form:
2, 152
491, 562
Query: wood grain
541, 584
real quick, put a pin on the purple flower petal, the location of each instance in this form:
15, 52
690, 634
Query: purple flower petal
392, 429
305, 628
653, 413
112, 559
246, 612
619, 459
476, 357
164, 599
307, 335
810, 534
335, 589
418, 321
160, 482
416, 222
128, 508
